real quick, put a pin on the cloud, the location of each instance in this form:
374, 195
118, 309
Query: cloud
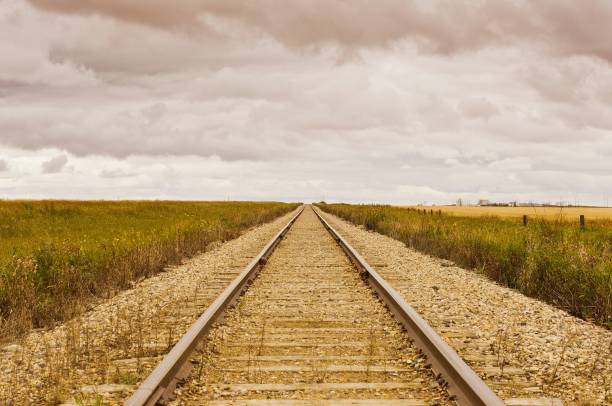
155, 13
116, 173
556, 24
54, 165
389, 101
25, 50
477, 108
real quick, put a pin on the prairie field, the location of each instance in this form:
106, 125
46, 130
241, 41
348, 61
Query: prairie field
548, 213
55, 255
554, 261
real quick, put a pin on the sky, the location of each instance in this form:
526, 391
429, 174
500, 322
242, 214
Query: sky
388, 101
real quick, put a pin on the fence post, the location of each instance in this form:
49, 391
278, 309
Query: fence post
582, 221
524, 219
439, 212
431, 211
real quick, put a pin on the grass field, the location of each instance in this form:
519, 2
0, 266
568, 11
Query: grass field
54, 255
548, 213
554, 261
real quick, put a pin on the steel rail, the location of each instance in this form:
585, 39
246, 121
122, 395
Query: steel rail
175, 367
457, 377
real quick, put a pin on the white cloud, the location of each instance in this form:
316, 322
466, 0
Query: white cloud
258, 108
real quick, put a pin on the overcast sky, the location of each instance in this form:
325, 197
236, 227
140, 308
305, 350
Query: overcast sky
399, 101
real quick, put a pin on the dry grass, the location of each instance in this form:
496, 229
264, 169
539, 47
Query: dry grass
554, 261
547, 213
56, 256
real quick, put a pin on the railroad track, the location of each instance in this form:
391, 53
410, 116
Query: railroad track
306, 329
482, 330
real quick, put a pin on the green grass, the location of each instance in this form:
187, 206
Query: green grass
54, 255
554, 261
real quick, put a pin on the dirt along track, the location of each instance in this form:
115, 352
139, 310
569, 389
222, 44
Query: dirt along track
309, 329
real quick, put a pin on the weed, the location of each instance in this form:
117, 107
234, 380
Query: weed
553, 261
90, 400
126, 377
607, 351
501, 348
56, 256
370, 351
260, 349
566, 343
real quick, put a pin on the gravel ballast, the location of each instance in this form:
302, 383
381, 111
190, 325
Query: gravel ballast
522, 348
309, 330
518, 345
104, 353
